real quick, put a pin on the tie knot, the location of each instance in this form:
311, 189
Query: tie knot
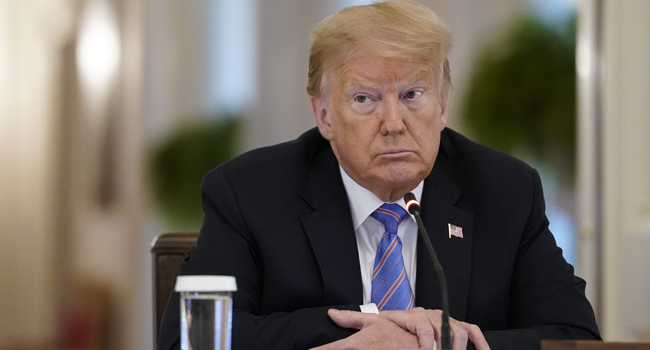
390, 214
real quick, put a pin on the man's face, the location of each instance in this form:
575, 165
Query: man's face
383, 118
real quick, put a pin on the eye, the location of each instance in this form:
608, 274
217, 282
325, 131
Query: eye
362, 99
412, 94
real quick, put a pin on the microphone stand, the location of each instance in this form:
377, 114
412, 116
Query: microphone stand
445, 332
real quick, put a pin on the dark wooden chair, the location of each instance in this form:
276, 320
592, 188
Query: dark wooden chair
167, 251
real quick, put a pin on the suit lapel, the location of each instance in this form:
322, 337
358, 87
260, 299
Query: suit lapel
330, 232
438, 210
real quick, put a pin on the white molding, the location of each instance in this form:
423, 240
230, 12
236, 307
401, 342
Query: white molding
626, 176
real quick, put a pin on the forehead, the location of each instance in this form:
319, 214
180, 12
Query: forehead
369, 68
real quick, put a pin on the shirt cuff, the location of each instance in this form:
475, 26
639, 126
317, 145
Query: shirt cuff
369, 308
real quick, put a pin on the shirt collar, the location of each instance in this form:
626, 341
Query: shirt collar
363, 202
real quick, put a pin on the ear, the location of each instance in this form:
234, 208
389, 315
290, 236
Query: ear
320, 109
444, 110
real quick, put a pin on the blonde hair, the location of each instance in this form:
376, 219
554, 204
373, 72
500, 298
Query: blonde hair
395, 29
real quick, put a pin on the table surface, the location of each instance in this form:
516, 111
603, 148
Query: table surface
591, 345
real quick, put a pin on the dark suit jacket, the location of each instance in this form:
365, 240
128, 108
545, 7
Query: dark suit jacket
278, 219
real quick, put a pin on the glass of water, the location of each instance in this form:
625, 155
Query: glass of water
206, 311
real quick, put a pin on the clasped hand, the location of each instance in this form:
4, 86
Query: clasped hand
415, 328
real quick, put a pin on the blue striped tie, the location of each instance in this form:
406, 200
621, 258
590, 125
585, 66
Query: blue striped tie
390, 284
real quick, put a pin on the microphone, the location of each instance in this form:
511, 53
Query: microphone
413, 207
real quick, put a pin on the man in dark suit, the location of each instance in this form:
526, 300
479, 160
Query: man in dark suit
301, 225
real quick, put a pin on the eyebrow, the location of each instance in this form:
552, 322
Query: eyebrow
421, 75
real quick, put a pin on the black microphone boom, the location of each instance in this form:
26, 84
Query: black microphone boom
413, 207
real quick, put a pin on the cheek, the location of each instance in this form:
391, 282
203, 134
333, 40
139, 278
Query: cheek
355, 145
438, 122
432, 150
339, 119
353, 130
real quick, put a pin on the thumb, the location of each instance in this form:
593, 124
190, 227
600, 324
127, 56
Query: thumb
349, 319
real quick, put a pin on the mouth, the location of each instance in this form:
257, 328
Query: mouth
397, 153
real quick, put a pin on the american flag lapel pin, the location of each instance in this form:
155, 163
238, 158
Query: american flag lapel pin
455, 231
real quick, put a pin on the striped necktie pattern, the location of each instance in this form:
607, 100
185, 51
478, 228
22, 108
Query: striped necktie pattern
390, 285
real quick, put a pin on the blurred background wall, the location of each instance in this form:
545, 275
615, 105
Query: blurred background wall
88, 88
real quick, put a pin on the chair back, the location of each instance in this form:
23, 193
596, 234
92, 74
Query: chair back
167, 251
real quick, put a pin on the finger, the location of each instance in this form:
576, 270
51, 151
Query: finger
350, 319
426, 337
459, 335
476, 336
435, 319
403, 318
427, 327
417, 322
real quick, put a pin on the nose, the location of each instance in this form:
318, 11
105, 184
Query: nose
392, 119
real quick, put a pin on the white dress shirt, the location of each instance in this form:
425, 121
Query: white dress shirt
369, 231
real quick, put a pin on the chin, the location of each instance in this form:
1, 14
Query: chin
407, 181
